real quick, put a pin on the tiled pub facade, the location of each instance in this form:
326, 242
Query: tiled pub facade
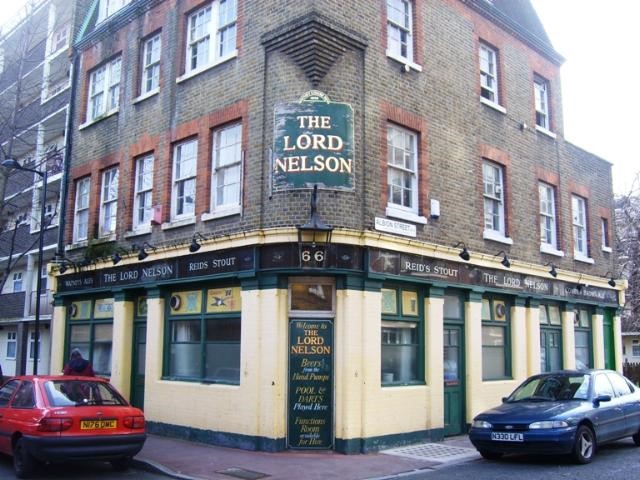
429, 128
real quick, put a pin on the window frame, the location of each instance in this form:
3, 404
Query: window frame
580, 223
214, 33
505, 324
494, 200
491, 73
605, 236
108, 8
92, 321
81, 210
12, 340
399, 209
548, 218
548, 326
143, 192
178, 183
150, 65
109, 202
17, 282
399, 319
582, 317
109, 91
541, 103
218, 171
405, 8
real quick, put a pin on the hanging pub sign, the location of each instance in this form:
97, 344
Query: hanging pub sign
313, 144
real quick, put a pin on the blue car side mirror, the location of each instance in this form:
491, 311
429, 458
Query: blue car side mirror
601, 398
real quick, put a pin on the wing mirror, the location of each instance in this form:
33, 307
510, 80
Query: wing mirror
601, 398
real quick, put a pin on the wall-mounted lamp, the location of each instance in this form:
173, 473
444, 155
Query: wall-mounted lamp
580, 285
552, 270
315, 231
505, 260
142, 254
195, 246
612, 281
464, 253
64, 265
116, 258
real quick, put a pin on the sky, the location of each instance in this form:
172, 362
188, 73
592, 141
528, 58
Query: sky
599, 40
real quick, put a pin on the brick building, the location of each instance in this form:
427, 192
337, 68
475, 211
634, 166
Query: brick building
327, 224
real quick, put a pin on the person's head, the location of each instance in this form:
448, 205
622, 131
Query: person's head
75, 353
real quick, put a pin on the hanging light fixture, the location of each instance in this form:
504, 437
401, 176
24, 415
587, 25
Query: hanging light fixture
142, 254
505, 260
195, 246
464, 253
552, 270
612, 281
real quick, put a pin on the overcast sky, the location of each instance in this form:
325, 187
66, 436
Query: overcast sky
600, 41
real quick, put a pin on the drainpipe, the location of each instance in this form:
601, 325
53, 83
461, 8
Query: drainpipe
67, 155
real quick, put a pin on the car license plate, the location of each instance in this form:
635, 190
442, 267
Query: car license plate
98, 424
507, 437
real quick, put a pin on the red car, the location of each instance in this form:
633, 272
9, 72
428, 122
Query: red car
67, 418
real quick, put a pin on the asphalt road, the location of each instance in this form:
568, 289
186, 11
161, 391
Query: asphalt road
78, 471
616, 461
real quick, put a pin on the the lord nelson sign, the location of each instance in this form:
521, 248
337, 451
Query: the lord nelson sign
313, 144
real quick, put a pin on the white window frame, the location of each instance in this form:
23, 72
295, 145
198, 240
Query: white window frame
18, 282
109, 202
227, 159
489, 82
548, 228
400, 36
184, 179
605, 238
403, 159
151, 52
541, 94
12, 339
81, 211
59, 38
143, 192
635, 350
108, 8
104, 90
580, 233
493, 202
212, 31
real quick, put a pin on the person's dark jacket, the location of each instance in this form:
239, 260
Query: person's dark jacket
79, 366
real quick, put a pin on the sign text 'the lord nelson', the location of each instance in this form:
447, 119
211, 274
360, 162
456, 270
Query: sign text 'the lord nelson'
313, 144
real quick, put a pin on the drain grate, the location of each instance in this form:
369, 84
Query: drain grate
242, 473
433, 451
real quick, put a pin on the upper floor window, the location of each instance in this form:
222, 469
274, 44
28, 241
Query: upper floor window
541, 92
59, 38
604, 229
402, 171
81, 214
104, 89
579, 214
109, 202
489, 73
143, 189
183, 198
17, 282
211, 34
227, 169
548, 232
110, 7
150, 65
400, 29
494, 211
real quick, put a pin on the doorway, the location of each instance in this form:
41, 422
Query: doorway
453, 364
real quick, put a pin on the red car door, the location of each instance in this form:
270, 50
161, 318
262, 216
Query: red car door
6, 393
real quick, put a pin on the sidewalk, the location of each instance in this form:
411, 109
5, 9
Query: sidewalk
191, 460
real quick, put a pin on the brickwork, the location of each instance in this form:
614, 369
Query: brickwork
441, 103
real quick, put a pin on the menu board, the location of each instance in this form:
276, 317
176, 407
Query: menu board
310, 384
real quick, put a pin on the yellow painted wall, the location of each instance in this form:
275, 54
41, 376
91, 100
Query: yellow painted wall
122, 348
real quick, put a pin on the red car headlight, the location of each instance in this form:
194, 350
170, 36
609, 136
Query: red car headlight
57, 424
134, 422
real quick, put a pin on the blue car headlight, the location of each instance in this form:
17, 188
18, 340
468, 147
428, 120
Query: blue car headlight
481, 424
548, 424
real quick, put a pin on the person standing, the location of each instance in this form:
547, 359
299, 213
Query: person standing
78, 365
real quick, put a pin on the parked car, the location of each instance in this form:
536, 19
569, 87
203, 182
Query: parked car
67, 418
566, 412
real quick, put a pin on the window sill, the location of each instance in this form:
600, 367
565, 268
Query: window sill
138, 231
48, 98
493, 105
106, 237
144, 96
549, 250
98, 119
408, 64
578, 257
405, 215
76, 244
607, 249
496, 237
178, 223
198, 71
227, 212
546, 132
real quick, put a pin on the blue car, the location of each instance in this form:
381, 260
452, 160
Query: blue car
560, 413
